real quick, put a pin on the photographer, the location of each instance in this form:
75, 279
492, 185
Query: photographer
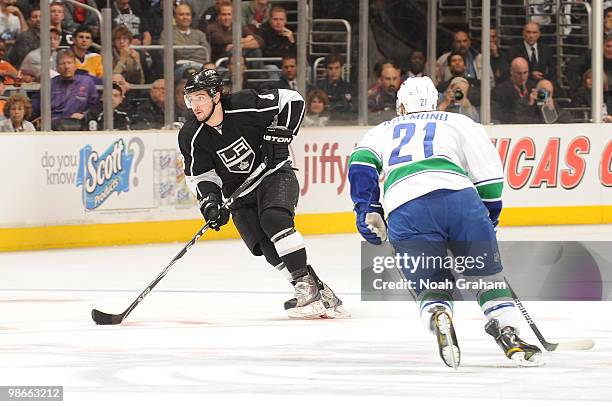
456, 65
546, 110
456, 99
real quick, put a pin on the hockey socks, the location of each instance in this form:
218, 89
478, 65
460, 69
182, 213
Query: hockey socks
503, 325
498, 304
430, 299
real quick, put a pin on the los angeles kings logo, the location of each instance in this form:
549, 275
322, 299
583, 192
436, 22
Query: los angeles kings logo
238, 157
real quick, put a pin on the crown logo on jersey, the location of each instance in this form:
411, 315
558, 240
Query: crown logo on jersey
238, 157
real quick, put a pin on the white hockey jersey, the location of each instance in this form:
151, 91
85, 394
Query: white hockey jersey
422, 152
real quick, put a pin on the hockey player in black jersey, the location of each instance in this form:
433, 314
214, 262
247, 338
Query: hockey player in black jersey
226, 139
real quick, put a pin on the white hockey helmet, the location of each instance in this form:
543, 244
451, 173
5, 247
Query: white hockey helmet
416, 94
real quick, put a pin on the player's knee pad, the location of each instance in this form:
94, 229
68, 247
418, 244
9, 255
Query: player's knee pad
277, 223
275, 220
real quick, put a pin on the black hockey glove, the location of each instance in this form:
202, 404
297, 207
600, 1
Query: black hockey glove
275, 146
213, 212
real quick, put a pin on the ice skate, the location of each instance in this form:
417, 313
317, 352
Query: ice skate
442, 326
519, 351
333, 304
308, 301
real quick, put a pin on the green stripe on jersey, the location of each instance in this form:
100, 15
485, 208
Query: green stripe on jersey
430, 164
366, 157
494, 295
490, 191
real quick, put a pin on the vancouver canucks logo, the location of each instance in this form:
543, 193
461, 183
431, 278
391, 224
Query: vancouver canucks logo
238, 157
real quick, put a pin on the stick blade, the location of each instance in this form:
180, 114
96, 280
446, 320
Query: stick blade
584, 344
102, 318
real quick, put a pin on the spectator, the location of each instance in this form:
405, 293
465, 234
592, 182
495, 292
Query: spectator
130, 99
208, 65
72, 95
538, 54
457, 99
499, 59
12, 21
547, 110
126, 61
342, 95
608, 21
317, 103
583, 96
416, 64
288, 77
77, 16
198, 7
121, 120
30, 67
58, 17
255, 13
577, 68
122, 14
183, 34
181, 111
3, 98
384, 99
457, 68
17, 110
153, 14
378, 67
86, 60
512, 100
278, 39
9, 73
209, 15
220, 35
150, 114
462, 43
26, 41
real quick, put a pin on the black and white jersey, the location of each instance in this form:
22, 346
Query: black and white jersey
224, 156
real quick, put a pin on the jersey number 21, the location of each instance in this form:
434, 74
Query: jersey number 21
408, 129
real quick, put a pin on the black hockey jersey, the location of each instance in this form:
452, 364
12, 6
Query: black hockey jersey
224, 156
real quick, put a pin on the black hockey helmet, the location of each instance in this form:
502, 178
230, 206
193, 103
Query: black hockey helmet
208, 80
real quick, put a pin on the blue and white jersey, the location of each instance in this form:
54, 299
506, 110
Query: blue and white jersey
422, 152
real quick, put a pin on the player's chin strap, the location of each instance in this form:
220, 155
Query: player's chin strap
213, 107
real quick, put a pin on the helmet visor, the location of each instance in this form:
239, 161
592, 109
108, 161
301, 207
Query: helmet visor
199, 99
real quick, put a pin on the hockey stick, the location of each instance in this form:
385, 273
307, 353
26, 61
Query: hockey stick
102, 318
584, 344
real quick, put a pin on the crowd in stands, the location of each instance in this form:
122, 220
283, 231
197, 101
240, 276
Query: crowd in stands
524, 78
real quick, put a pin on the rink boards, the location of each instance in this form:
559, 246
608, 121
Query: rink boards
84, 189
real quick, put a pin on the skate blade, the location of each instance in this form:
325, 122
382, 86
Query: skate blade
520, 360
309, 311
337, 312
449, 351
448, 358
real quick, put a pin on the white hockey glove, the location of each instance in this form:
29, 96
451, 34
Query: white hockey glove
377, 225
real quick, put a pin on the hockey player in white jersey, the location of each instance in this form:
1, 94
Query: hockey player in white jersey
442, 190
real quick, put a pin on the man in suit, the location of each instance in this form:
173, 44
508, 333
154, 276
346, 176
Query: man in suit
514, 99
288, 78
538, 54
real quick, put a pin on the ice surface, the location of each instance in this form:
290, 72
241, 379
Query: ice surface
214, 330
